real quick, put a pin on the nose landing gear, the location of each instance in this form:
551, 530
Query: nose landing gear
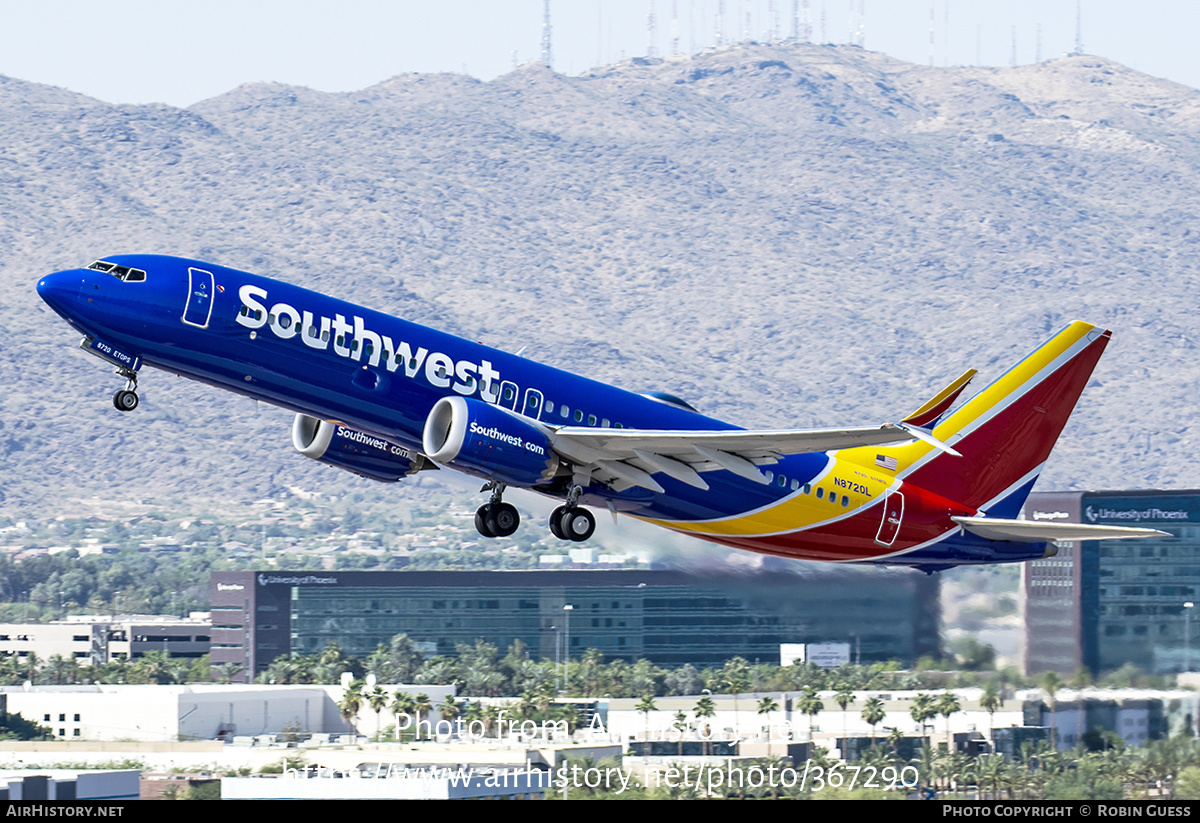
126, 399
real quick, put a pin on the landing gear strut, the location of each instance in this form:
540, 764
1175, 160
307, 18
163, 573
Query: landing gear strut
496, 518
126, 399
570, 522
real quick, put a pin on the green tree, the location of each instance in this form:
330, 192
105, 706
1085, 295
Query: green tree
351, 703
705, 710
873, 714
922, 710
946, 706
421, 706
736, 678
645, 706
810, 704
680, 725
377, 699
1050, 684
844, 696
766, 705
991, 702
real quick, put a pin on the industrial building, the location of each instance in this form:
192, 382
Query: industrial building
669, 617
1102, 604
99, 639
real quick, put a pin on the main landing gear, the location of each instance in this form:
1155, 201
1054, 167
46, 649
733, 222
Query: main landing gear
570, 522
496, 518
126, 399
499, 519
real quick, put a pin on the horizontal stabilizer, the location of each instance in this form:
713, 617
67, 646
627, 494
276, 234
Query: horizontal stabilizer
1033, 531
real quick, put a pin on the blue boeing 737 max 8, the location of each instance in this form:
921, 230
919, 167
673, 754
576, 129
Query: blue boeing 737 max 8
384, 398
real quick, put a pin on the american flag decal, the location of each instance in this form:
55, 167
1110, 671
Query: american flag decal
885, 461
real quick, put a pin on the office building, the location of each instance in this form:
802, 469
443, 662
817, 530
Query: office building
669, 617
1102, 604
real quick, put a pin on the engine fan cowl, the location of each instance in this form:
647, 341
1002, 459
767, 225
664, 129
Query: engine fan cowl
363, 454
487, 441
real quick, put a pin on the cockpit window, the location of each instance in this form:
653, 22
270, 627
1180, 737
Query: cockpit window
120, 272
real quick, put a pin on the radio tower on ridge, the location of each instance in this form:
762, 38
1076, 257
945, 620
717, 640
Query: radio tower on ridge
547, 54
932, 18
1079, 26
651, 49
674, 26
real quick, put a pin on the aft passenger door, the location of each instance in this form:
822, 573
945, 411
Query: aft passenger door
893, 516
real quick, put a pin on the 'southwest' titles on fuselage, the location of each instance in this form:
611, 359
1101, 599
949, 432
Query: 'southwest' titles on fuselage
352, 340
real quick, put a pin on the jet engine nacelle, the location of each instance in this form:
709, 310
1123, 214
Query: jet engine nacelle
484, 440
364, 454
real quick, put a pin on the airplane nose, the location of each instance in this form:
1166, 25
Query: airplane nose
58, 290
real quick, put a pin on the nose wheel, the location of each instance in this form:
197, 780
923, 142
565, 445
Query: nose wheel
126, 399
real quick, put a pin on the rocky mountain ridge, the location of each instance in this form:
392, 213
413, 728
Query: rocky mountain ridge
783, 235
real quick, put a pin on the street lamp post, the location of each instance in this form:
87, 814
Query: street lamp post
567, 609
1187, 636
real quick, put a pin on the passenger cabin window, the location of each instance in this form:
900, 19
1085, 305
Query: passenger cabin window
120, 272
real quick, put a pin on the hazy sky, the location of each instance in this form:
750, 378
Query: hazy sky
183, 51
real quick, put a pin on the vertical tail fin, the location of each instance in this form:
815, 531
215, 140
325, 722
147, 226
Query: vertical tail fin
1006, 431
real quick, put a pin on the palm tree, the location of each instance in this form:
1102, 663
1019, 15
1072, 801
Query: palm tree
873, 713
421, 705
680, 725
225, 672
895, 738
844, 696
568, 714
473, 713
402, 706
991, 702
922, 709
1050, 684
377, 699
946, 706
451, 709
645, 707
705, 710
1080, 681
351, 703
737, 679
811, 705
989, 769
766, 705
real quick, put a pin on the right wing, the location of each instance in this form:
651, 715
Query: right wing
628, 457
